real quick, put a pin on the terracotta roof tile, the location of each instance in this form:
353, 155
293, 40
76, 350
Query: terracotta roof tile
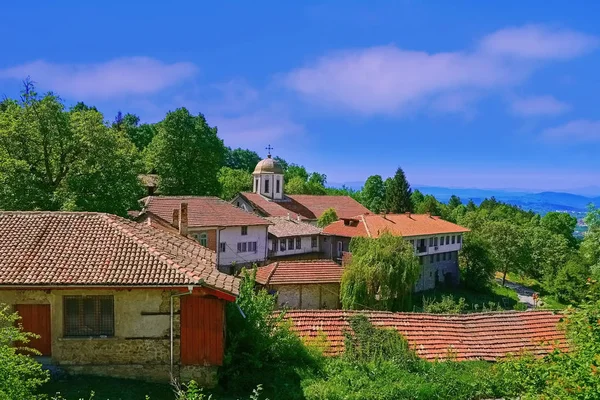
298, 272
485, 336
307, 206
202, 211
61, 248
373, 225
283, 227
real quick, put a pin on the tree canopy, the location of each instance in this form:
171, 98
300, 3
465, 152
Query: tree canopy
329, 216
241, 159
53, 159
398, 193
187, 154
381, 274
373, 193
233, 181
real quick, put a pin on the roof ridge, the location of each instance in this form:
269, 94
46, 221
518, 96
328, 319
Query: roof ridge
272, 272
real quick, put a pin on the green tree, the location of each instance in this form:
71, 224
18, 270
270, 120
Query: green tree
592, 219
20, 375
477, 268
52, 159
234, 181
471, 205
561, 224
570, 284
398, 193
417, 197
141, 135
429, 205
241, 159
508, 247
548, 252
373, 194
329, 216
454, 202
187, 154
381, 274
293, 171
284, 164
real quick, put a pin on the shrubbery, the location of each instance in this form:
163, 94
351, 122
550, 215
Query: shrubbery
20, 375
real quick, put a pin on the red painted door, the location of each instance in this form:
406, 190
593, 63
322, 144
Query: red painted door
35, 318
202, 331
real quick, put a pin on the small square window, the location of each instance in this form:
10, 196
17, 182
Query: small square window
222, 247
298, 243
89, 316
244, 230
252, 247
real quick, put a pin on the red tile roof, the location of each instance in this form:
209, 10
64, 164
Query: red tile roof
63, 248
299, 272
202, 211
307, 206
485, 336
373, 225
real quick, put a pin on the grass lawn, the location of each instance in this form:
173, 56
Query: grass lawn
549, 302
79, 387
497, 294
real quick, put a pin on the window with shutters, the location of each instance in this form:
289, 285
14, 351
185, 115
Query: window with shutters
203, 239
89, 316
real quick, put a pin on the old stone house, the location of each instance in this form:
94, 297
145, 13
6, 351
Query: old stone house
238, 238
307, 284
113, 297
436, 242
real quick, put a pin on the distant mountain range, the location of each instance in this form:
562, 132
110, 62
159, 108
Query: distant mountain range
539, 202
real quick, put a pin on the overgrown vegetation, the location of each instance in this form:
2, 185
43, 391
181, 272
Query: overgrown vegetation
20, 375
381, 274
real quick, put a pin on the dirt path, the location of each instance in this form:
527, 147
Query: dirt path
524, 293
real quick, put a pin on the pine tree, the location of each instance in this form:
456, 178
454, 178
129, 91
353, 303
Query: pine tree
398, 193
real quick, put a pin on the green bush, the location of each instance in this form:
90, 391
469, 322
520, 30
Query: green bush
569, 286
446, 306
261, 349
20, 375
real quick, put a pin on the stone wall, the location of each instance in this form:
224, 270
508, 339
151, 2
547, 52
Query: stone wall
140, 347
437, 270
309, 296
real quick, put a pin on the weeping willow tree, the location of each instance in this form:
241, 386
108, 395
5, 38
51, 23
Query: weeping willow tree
381, 275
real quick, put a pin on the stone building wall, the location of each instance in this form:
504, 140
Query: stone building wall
140, 347
430, 271
309, 296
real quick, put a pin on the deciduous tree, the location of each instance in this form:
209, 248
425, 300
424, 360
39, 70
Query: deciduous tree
508, 247
381, 274
329, 216
234, 181
561, 224
373, 194
241, 159
187, 154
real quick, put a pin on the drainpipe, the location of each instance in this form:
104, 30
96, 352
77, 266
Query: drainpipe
190, 289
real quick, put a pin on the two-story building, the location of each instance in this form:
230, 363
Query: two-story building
238, 237
291, 238
436, 241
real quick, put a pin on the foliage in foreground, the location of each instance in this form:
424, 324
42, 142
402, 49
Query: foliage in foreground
560, 375
261, 349
20, 375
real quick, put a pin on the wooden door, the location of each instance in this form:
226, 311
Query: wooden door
35, 318
202, 330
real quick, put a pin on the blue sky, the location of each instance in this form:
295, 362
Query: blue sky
458, 93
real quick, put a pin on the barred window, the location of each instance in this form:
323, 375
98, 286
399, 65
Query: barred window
89, 316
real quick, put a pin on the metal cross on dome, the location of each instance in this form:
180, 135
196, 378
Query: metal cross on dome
269, 148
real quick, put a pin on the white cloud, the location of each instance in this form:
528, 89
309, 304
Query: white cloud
122, 76
390, 80
538, 105
581, 130
538, 42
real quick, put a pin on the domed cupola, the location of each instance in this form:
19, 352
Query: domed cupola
268, 178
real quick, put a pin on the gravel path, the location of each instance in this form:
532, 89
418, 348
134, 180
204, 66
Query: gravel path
524, 293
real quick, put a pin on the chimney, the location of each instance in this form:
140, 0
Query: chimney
288, 216
175, 222
298, 217
407, 214
183, 219
429, 214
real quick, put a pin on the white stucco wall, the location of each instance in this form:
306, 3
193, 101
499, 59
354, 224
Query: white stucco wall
233, 235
